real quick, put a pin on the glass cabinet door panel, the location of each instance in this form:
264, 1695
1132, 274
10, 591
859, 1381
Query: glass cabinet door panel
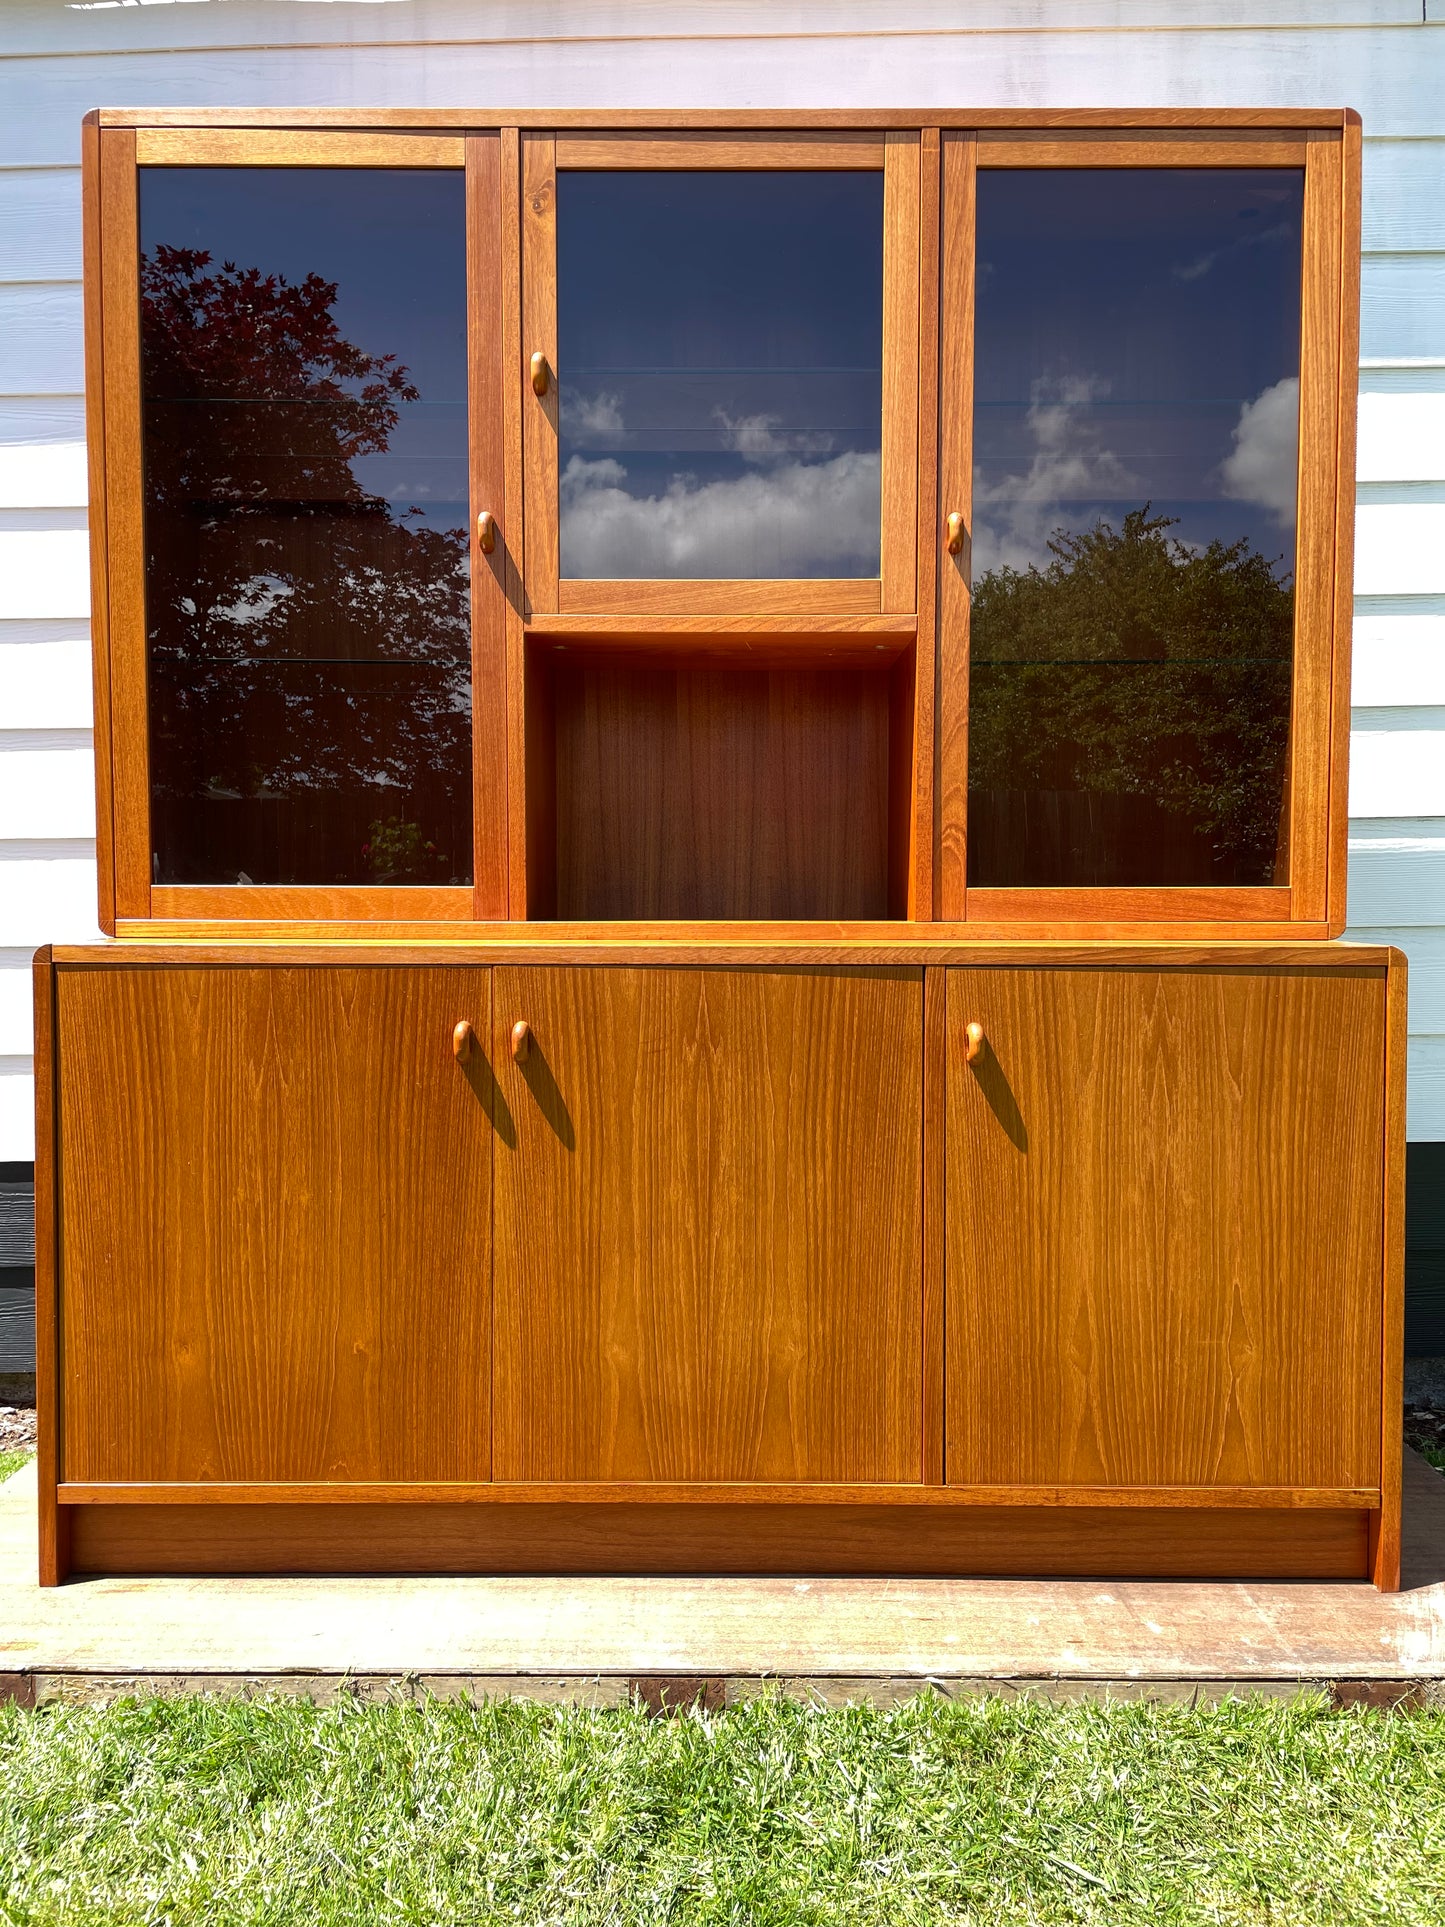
720, 351
1136, 446
304, 371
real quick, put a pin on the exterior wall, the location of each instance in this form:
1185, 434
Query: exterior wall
1384, 57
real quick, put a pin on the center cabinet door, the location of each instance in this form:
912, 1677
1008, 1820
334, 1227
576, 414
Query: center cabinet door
708, 1225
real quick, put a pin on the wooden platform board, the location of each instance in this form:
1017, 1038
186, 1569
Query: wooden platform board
595, 1640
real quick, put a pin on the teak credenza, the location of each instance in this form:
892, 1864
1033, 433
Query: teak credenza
722, 824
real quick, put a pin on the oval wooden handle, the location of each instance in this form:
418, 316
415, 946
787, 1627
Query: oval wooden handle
955, 533
521, 1039
974, 1034
486, 531
541, 373
462, 1041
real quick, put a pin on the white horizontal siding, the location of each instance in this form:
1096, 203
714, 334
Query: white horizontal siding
40, 224
1385, 71
44, 685
1400, 548
1402, 427
42, 329
42, 26
46, 777
44, 573
58, 61
1399, 657
17, 1109
1404, 209
16, 1017
1400, 302
1425, 1088
1397, 759
48, 475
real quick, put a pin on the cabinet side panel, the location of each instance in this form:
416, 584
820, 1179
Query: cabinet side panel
276, 1193
708, 1227
54, 1521
1164, 1240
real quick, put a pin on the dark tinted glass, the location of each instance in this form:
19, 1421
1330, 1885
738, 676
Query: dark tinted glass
1136, 445
305, 436
720, 350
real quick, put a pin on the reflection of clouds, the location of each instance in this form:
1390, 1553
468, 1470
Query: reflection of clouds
756, 439
1202, 264
590, 418
1014, 517
793, 519
1262, 467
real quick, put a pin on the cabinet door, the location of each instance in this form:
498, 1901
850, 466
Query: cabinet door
275, 1222
1164, 1240
708, 1261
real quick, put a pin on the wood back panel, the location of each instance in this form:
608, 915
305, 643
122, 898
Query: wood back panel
274, 1210
1165, 1227
691, 789
708, 1225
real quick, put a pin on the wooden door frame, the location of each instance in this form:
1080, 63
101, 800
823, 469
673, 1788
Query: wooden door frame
896, 154
1317, 780
114, 417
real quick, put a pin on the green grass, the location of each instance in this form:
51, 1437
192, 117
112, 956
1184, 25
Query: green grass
983, 1810
12, 1462
1433, 1455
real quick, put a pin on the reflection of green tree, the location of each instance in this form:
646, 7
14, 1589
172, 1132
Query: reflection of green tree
305, 639
1133, 666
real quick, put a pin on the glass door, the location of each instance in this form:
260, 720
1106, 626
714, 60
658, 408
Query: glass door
1137, 569
719, 364
314, 604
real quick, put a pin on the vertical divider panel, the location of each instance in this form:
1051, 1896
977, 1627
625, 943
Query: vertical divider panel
956, 473
514, 528
901, 156
1319, 428
921, 868
486, 269
124, 522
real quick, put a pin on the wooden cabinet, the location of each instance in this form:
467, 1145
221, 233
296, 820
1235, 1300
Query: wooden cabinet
1037, 1260
708, 1223
274, 1226
1166, 1222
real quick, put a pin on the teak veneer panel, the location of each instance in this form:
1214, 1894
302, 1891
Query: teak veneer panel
694, 789
275, 1225
811, 1540
1165, 1214
708, 1225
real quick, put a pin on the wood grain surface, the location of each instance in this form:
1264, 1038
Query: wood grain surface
708, 1226
692, 789
274, 1225
807, 1540
1165, 1256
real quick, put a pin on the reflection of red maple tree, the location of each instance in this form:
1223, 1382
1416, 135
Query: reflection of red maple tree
307, 640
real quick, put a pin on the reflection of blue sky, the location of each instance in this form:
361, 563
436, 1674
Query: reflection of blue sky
393, 240
1137, 340
720, 372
